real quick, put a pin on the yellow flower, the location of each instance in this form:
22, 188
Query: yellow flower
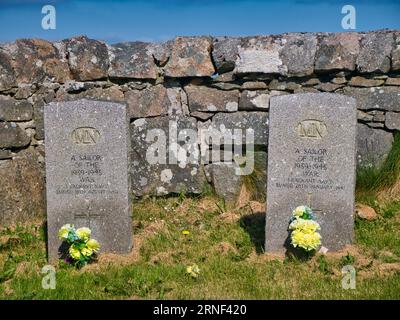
83, 233
93, 245
308, 241
74, 253
306, 226
193, 270
186, 232
299, 211
64, 231
87, 252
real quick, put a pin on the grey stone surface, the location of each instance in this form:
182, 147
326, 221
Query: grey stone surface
257, 100
87, 58
396, 52
7, 74
211, 100
225, 51
259, 55
311, 161
373, 145
375, 52
15, 110
337, 51
380, 98
132, 60
298, 53
87, 165
5, 154
165, 157
392, 120
258, 121
12, 136
22, 190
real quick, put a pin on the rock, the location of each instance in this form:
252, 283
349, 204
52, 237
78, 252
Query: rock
373, 145
112, 93
378, 116
190, 57
7, 74
36, 61
258, 121
277, 85
363, 116
254, 85
396, 53
393, 81
375, 51
224, 180
364, 82
162, 163
328, 86
311, 82
259, 55
155, 101
201, 115
132, 60
365, 212
339, 80
381, 98
226, 86
211, 100
5, 154
257, 100
22, 190
87, 58
392, 121
14, 110
375, 125
298, 53
225, 52
38, 117
337, 51
12, 136
23, 92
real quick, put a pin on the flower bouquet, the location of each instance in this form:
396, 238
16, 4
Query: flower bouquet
81, 249
303, 230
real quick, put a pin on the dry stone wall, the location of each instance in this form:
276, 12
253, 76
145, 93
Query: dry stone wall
196, 83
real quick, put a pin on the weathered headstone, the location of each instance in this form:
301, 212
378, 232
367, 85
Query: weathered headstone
87, 145
311, 161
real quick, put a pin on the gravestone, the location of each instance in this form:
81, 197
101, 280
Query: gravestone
87, 145
311, 161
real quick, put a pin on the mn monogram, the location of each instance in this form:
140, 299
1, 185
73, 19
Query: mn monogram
312, 129
85, 135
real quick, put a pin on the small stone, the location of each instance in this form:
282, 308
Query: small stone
88, 59
225, 51
328, 86
226, 86
375, 125
190, 57
378, 116
201, 115
12, 136
337, 51
365, 212
339, 80
5, 154
363, 116
211, 100
15, 110
254, 85
392, 82
132, 60
23, 92
312, 82
277, 85
257, 100
393, 120
375, 51
364, 82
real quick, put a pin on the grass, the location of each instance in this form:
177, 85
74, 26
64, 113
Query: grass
372, 179
227, 247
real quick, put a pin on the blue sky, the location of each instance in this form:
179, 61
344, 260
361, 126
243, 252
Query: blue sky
159, 20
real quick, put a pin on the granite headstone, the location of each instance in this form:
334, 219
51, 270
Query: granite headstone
311, 161
87, 145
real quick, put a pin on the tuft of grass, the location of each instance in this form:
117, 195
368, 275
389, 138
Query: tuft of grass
376, 179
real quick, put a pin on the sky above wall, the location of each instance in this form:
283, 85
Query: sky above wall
160, 20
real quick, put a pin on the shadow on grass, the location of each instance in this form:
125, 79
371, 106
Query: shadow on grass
254, 225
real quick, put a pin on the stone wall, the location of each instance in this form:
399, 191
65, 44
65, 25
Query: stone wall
198, 82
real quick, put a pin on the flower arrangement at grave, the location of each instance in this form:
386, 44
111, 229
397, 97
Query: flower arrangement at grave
82, 249
303, 230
